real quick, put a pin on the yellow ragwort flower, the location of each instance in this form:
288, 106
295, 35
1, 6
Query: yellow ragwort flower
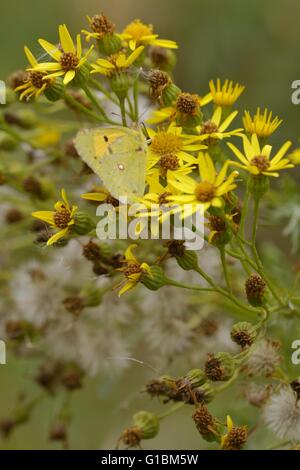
226, 94
35, 83
256, 159
236, 436
62, 218
171, 141
116, 63
208, 191
262, 124
68, 58
215, 129
137, 33
170, 113
133, 270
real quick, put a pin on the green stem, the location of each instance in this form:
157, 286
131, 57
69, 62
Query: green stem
225, 270
97, 105
136, 99
171, 410
123, 111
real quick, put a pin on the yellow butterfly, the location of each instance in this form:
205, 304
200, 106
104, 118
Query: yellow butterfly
118, 155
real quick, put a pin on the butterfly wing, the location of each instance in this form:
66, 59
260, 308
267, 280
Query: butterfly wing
118, 156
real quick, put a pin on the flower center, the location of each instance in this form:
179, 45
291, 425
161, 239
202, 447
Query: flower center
101, 25
132, 268
187, 103
159, 78
209, 127
137, 30
62, 218
36, 78
69, 61
205, 191
165, 143
261, 162
170, 161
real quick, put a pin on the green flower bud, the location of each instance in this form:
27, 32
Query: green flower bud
26, 119
258, 185
120, 84
148, 423
83, 224
156, 280
109, 44
82, 76
56, 91
7, 142
195, 378
170, 94
243, 334
188, 261
220, 367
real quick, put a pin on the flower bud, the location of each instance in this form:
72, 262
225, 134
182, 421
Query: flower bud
82, 76
83, 224
148, 423
194, 378
188, 261
258, 185
55, 91
109, 44
7, 142
243, 334
188, 113
155, 280
255, 288
120, 84
219, 367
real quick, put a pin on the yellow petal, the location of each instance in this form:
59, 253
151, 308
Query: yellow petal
79, 46
57, 236
129, 256
135, 54
66, 40
45, 216
51, 49
94, 196
128, 286
30, 57
69, 76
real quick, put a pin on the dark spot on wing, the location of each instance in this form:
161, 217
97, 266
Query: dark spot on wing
105, 138
139, 149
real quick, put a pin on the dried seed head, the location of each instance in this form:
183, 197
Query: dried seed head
17, 78
219, 367
32, 186
131, 437
74, 304
204, 420
236, 438
92, 251
187, 104
255, 290
243, 334
216, 223
100, 24
72, 377
295, 384
209, 127
176, 247
13, 216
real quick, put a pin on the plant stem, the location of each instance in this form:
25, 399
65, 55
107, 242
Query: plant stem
69, 99
136, 99
225, 270
97, 105
123, 111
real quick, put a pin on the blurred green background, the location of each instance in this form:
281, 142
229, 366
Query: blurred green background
254, 42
